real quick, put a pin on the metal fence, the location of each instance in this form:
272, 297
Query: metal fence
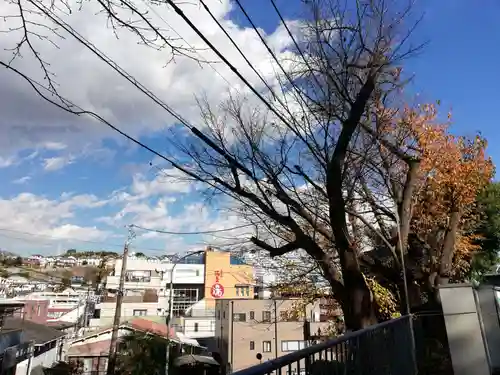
383, 349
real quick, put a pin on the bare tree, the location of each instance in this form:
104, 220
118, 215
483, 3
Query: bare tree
291, 168
31, 25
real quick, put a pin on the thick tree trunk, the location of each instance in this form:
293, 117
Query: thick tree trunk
352, 291
359, 307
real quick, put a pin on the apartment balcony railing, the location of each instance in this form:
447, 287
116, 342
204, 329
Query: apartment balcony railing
153, 282
383, 349
200, 313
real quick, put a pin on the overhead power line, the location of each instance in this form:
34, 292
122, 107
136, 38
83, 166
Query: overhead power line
235, 45
102, 56
295, 131
193, 233
52, 238
224, 59
210, 63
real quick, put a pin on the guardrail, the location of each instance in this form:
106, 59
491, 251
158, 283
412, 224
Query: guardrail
383, 349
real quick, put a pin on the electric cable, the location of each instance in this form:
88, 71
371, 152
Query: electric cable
192, 233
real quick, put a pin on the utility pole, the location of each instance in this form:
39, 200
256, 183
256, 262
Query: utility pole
119, 300
171, 306
231, 316
275, 329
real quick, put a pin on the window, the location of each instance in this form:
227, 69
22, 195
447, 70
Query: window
291, 346
183, 299
252, 315
38, 310
266, 346
217, 313
138, 276
242, 290
266, 316
223, 315
240, 317
139, 312
252, 345
196, 327
197, 272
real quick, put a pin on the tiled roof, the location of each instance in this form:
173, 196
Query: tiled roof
146, 325
93, 349
139, 324
99, 348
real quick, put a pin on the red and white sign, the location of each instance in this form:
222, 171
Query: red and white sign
217, 290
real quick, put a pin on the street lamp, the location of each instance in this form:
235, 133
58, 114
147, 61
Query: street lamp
171, 302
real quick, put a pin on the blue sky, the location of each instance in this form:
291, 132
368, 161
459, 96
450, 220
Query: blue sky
63, 183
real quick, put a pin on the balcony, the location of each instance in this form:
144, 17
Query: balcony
386, 348
152, 282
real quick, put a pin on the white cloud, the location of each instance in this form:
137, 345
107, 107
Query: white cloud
45, 220
6, 162
54, 146
90, 83
70, 232
167, 181
30, 123
22, 180
56, 163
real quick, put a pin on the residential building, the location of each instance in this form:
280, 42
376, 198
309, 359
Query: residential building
34, 310
59, 303
245, 328
226, 277
193, 278
89, 261
47, 345
150, 274
92, 350
198, 322
132, 306
197, 280
13, 347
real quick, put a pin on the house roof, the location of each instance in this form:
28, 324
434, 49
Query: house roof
8, 302
146, 325
60, 325
92, 349
101, 347
137, 324
39, 333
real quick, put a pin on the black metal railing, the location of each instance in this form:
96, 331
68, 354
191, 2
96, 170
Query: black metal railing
383, 349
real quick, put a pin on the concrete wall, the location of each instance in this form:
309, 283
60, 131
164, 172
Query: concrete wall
46, 359
108, 311
196, 327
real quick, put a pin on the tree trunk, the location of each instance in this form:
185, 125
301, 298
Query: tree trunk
351, 291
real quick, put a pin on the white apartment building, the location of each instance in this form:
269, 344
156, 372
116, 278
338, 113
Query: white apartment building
131, 307
198, 322
67, 299
151, 274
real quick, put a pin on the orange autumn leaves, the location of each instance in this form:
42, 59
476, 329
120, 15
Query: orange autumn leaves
452, 171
